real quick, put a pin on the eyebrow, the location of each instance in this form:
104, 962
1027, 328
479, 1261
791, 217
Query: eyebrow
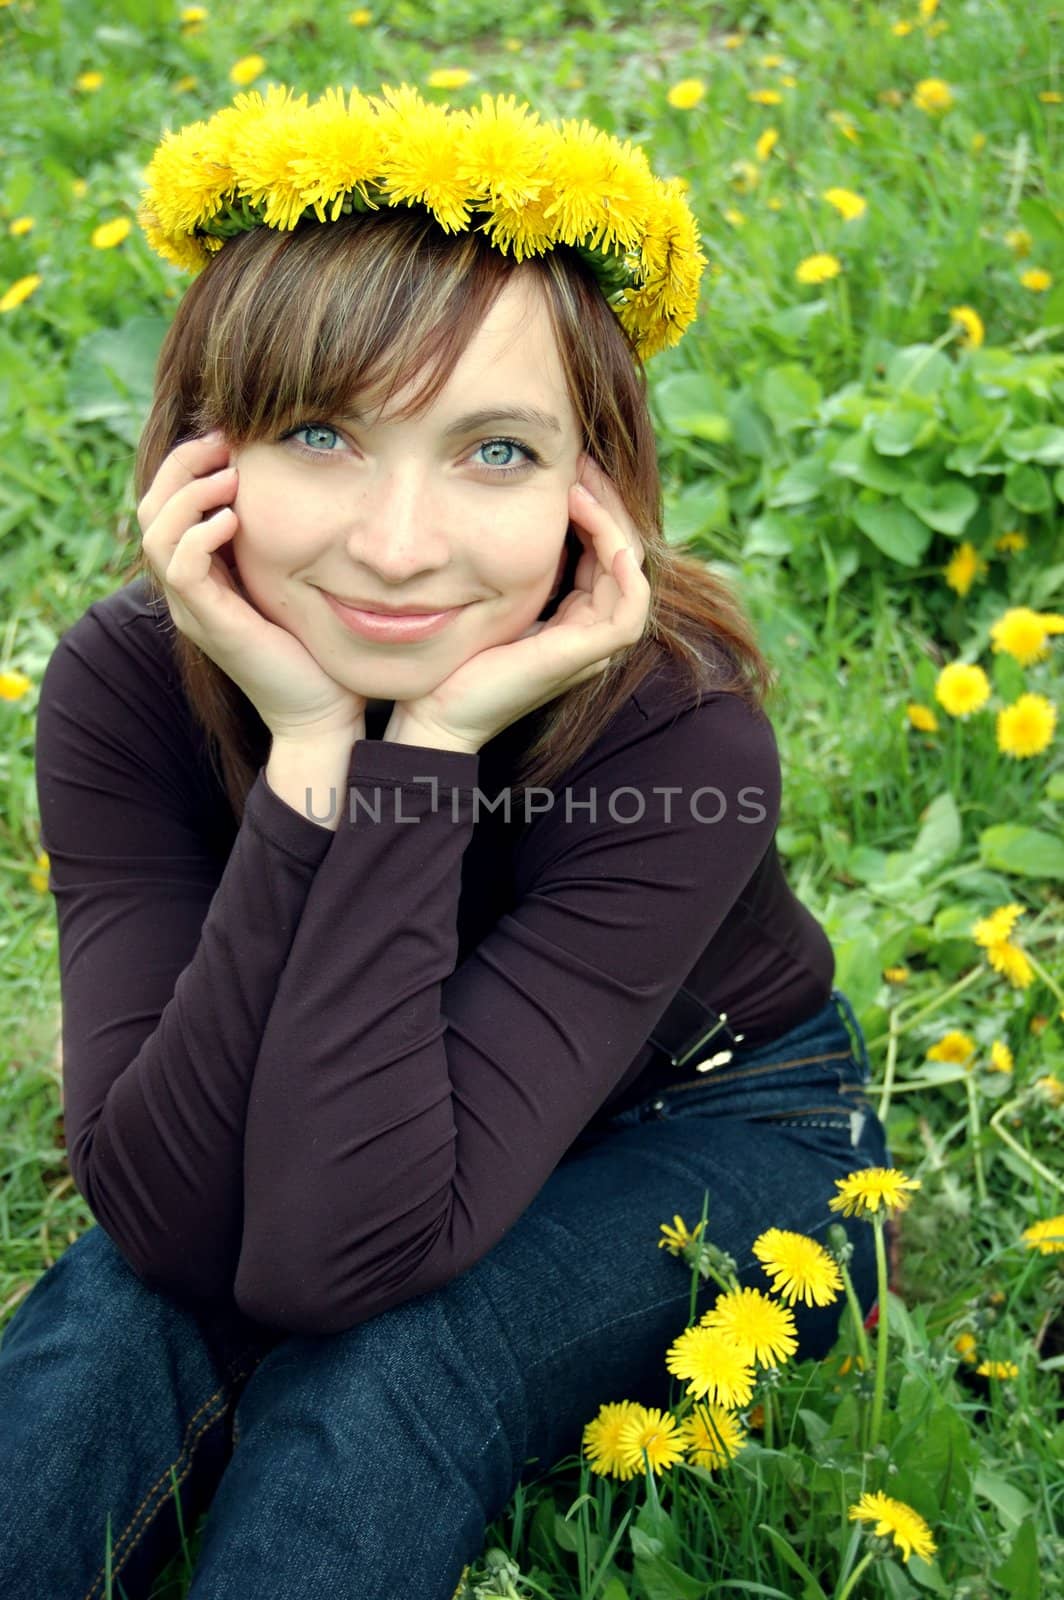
530, 416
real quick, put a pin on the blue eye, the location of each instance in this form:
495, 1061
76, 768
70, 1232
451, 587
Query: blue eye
314, 428
503, 468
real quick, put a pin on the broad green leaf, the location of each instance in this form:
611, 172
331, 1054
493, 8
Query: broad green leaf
692, 403
900, 431
856, 460
894, 529
800, 483
1018, 1574
940, 830
790, 395
811, 1587
1011, 1503
1027, 488
772, 534
919, 368
1043, 443
1027, 852
1058, 484
700, 507
946, 507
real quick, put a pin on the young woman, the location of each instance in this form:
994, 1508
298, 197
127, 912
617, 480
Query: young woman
424, 945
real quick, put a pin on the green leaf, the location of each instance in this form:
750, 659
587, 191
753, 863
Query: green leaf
902, 430
919, 368
1018, 1573
811, 1588
1043, 443
940, 830
700, 507
773, 534
1058, 484
946, 507
1027, 852
802, 482
790, 395
112, 374
691, 404
1011, 1504
894, 529
1027, 488
856, 460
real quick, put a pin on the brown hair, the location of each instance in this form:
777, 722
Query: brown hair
281, 328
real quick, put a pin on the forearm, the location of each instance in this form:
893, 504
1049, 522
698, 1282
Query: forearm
310, 774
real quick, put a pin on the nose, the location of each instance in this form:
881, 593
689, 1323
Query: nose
397, 529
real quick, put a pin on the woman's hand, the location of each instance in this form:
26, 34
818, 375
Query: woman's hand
292, 694
605, 611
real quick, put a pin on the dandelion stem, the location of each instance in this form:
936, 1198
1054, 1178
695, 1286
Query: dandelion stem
933, 1005
892, 1061
856, 1573
976, 1134
1046, 979
881, 1334
857, 1314
1017, 1147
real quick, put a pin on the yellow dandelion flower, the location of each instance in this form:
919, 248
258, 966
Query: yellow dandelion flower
896, 974
927, 8
1037, 279
601, 1439
449, 78
108, 234
762, 1328
818, 268
712, 1437
714, 1365
346, 152
1051, 97
961, 689
1047, 1236
421, 155
503, 151
246, 70
998, 1369
20, 290
513, 45
895, 1520
185, 84
775, 203
771, 61
953, 1046
656, 1432
846, 203
963, 567
265, 146
89, 81
1019, 241
13, 685
360, 18
1050, 1088
1000, 1057
862, 1193
1026, 727
686, 94
39, 877
604, 191
998, 925
732, 41
966, 1346
1010, 542
765, 97
922, 718
194, 14
891, 97
1008, 959
766, 143
932, 95
21, 225
901, 28
678, 1237
736, 219
1022, 633
788, 80
799, 1267
972, 323
846, 126
78, 188
744, 176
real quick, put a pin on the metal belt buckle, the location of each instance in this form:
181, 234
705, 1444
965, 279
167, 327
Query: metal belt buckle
687, 1028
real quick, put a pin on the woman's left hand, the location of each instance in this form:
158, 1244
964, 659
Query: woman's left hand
605, 611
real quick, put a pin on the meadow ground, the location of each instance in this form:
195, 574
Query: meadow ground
864, 432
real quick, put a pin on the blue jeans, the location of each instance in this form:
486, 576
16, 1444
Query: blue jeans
368, 1463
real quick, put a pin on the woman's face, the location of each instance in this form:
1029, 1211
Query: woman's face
464, 505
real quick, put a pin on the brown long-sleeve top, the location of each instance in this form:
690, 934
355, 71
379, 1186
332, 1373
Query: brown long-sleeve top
317, 1073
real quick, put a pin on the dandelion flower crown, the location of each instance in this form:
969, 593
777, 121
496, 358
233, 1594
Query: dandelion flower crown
495, 168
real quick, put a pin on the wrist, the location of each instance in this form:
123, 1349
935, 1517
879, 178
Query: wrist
404, 729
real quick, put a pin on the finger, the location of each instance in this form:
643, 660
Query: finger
193, 458
183, 511
607, 535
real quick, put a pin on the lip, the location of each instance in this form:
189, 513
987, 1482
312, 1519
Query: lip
391, 627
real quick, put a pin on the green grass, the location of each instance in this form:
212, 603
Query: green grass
797, 437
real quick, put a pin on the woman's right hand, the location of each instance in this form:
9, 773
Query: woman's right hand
293, 695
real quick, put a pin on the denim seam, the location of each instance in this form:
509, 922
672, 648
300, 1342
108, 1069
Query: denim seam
741, 1074
187, 1446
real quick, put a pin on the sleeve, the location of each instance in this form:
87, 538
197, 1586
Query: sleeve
405, 1112
168, 965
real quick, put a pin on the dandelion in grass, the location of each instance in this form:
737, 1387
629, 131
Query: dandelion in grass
360, 17
953, 1046
19, 226
744, 176
1000, 1057
732, 41
1051, 97
971, 323
993, 934
1019, 241
246, 70
788, 80
714, 1365
902, 28
766, 143
895, 1520
601, 1439
194, 14
183, 85
13, 685
765, 97
965, 1346
109, 234
89, 82
1047, 1236
678, 1237
896, 975
1020, 632
20, 290
800, 1268
849, 205
39, 877
656, 1432
998, 925
686, 94
712, 1437
932, 96
963, 567
1025, 728
922, 718
1037, 279
998, 1369
819, 268
1012, 541
449, 78
770, 62
845, 125
762, 1328
862, 1193
1050, 1088
961, 689
734, 218
927, 9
